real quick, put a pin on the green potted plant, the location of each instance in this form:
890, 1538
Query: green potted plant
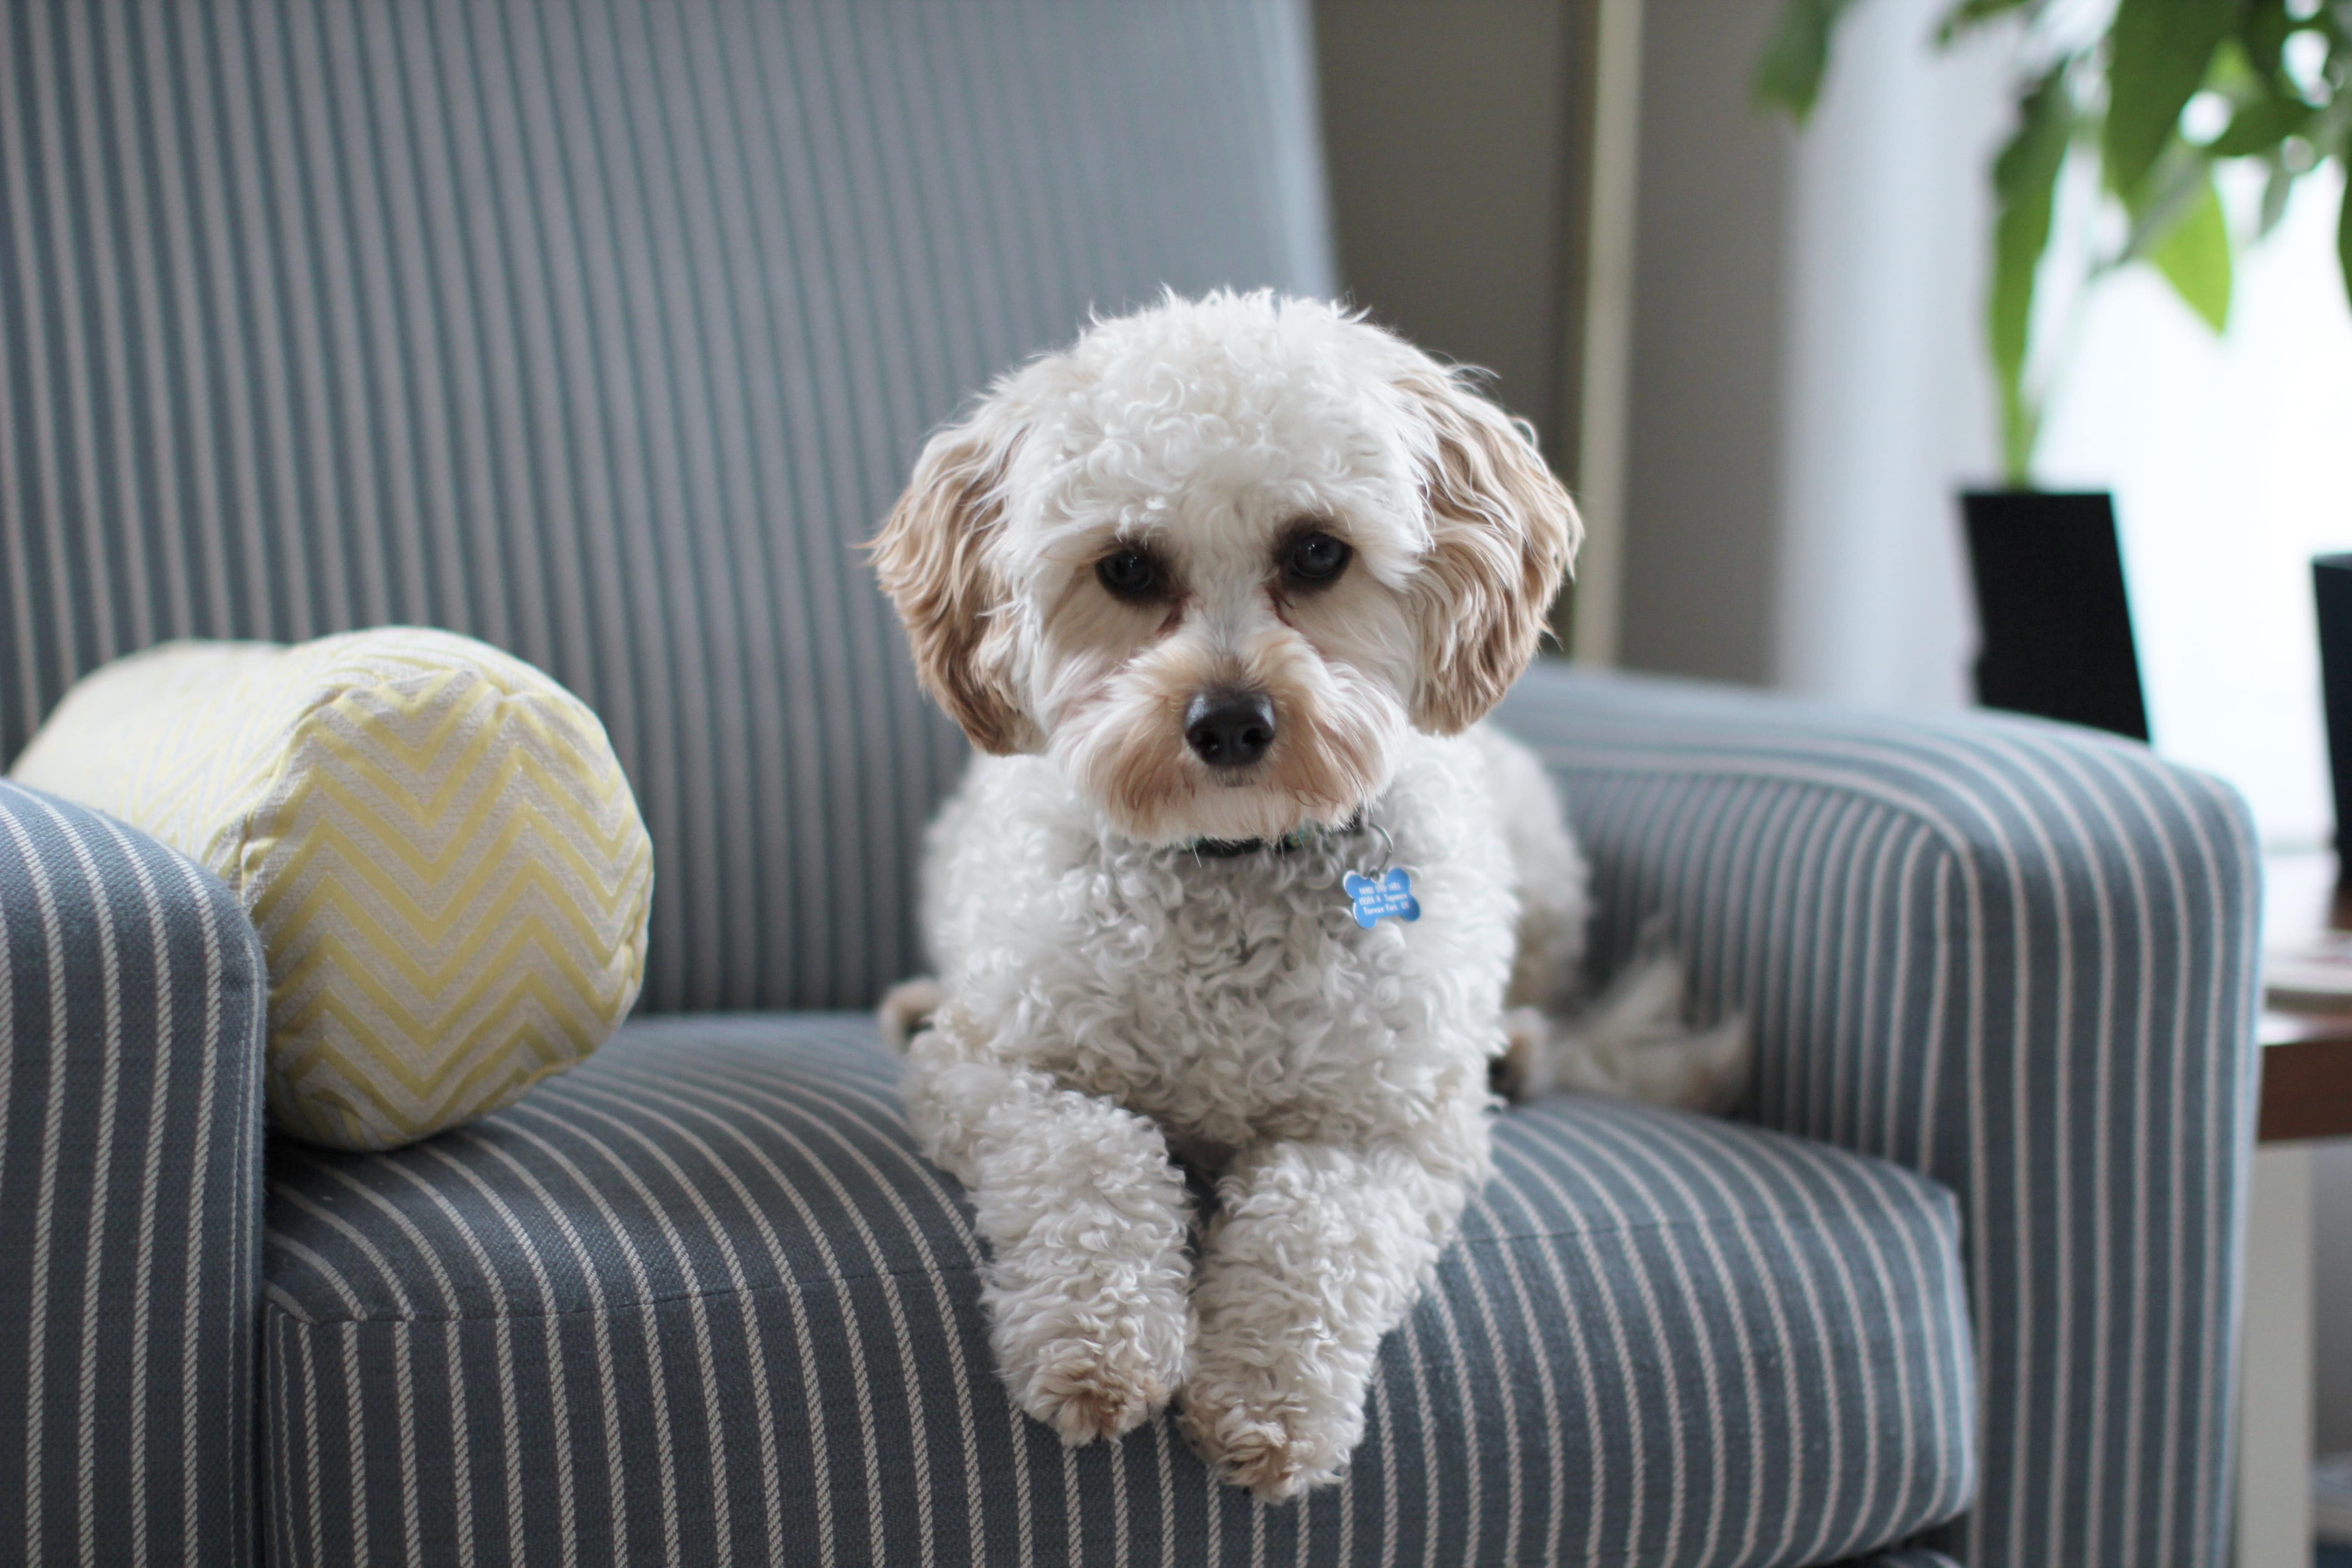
2271, 83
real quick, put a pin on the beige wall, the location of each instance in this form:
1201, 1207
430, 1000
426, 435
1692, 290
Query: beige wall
1464, 189
1459, 208
1705, 426
1443, 121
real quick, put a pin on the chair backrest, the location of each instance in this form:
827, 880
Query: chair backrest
599, 330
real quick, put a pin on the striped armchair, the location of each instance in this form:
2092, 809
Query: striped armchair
599, 332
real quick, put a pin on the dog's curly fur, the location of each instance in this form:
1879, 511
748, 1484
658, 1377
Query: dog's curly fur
1111, 1002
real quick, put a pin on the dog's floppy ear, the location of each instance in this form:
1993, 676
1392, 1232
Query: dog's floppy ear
935, 556
1502, 533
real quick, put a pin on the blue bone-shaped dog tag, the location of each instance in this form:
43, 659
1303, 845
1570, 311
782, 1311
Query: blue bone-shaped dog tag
1391, 895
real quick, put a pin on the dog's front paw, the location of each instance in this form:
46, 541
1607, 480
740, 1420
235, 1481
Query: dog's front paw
1088, 1389
1092, 1365
1271, 1443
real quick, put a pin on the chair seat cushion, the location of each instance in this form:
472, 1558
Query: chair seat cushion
701, 1300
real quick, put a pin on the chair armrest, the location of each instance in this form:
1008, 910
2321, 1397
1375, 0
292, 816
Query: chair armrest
2019, 958
132, 1006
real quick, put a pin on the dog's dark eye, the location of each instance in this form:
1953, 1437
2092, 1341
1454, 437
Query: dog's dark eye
1318, 558
1129, 574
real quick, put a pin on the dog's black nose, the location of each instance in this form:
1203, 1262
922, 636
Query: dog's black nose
1229, 729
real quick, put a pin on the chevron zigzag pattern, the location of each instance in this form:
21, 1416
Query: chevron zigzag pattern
435, 841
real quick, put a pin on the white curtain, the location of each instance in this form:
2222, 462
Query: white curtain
1889, 404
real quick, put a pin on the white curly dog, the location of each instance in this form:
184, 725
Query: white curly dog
1223, 591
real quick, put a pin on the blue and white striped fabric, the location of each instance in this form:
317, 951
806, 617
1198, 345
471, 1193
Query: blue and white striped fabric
701, 1300
2019, 958
599, 332
132, 999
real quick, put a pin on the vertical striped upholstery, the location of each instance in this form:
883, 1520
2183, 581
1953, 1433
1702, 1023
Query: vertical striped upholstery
2016, 957
597, 331
132, 1007
701, 1300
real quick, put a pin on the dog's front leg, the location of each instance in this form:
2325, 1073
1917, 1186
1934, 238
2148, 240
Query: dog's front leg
1085, 1219
1318, 1251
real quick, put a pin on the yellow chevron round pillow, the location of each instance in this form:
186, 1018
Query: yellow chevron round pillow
434, 839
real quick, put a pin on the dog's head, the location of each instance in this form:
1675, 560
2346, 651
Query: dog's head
1219, 555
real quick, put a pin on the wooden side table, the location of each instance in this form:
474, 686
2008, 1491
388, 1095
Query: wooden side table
2306, 1094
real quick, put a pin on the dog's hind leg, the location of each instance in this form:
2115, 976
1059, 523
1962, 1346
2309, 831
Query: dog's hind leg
1632, 1041
907, 1008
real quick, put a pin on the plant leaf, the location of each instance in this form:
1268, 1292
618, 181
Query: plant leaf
2159, 52
2259, 127
2195, 257
1969, 15
2277, 189
1797, 55
2344, 229
2164, 197
2261, 33
2025, 186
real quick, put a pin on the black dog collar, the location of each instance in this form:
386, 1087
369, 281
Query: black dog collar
1234, 848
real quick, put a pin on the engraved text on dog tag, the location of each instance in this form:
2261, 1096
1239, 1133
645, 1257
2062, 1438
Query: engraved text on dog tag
1391, 895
